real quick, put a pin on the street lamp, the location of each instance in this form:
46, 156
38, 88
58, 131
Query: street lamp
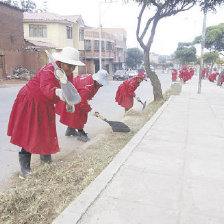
202, 51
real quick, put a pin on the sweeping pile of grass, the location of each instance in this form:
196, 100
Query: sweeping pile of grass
50, 188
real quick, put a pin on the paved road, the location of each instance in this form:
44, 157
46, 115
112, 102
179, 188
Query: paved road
102, 102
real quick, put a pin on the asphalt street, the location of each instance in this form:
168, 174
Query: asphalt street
103, 102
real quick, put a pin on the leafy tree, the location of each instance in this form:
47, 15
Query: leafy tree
134, 57
220, 62
145, 32
28, 5
214, 38
185, 53
210, 58
25, 5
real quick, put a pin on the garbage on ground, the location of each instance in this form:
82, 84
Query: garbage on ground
21, 73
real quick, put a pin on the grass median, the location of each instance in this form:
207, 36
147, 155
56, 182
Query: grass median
50, 188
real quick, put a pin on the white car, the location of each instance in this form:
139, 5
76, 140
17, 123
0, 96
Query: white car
132, 73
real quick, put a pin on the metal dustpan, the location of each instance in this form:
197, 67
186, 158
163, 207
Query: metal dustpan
116, 126
70, 92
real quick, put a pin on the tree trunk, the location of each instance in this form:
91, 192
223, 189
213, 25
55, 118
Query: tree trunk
157, 90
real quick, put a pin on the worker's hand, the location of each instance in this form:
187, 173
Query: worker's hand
138, 99
70, 108
93, 112
59, 93
61, 76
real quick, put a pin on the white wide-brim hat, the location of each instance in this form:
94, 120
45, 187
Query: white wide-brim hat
68, 55
101, 77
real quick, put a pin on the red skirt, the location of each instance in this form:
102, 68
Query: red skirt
75, 120
32, 125
123, 98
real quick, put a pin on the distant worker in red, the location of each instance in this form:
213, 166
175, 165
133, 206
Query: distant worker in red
191, 72
174, 75
180, 74
87, 86
126, 91
207, 72
184, 74
203, 73
211, 77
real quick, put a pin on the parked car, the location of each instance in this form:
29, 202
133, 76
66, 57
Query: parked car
132, 73
141, 70
120, 75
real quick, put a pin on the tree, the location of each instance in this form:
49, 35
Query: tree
25, 5
160, 10
185, 53
28, 5
134, 57
210, 58
214, 38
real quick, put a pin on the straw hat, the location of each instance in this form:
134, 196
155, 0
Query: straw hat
68, 55
101, 77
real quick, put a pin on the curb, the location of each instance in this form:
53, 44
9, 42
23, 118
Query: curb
74, 212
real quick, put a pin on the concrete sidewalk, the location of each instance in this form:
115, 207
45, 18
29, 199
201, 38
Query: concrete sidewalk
172, 172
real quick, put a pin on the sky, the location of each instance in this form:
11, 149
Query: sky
183, 27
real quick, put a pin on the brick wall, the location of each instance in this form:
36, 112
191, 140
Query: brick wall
11, 27
11, 38
34, 60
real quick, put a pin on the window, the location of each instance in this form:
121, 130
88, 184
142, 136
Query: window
102, 46
12, 39
38, 30
87, 45
109, 46
81, 34
1, 61
96, 45
69, 32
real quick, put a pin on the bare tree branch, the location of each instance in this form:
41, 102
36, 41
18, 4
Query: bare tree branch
140, 40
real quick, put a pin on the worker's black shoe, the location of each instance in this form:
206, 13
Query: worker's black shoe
24, 161
45, 159
71, 132
82, 136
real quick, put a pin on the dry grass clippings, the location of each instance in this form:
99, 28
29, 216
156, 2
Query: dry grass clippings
50, 188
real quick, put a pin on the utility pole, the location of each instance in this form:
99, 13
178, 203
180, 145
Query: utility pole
100, 32
202, 51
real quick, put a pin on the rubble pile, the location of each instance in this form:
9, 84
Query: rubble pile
21, 73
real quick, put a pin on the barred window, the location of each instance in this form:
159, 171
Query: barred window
37, 30
96, 45
109, 46
102, 46
87, 45
1, 61
69, 32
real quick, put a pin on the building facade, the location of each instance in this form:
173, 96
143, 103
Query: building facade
120, 47
58, 30
113, 47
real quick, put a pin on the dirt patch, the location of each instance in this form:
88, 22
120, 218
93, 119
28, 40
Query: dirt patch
50, 188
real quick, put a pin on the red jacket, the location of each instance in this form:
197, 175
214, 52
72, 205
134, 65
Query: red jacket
126, 93
86, 89
174, 75
32, 120
203, 73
